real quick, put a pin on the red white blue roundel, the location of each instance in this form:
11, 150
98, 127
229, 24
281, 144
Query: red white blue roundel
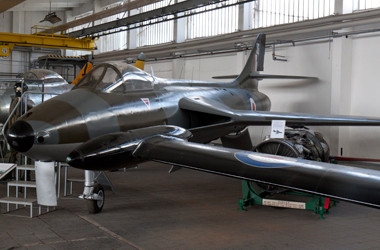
253, 104
146, 101
267, 161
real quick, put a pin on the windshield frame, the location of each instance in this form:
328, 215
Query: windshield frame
83, 83
127, 77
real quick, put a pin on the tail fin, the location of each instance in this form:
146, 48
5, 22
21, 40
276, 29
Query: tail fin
254, 63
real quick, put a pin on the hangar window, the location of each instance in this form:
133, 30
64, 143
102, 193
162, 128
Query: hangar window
364, 4
116, 40
211, 23
273, 12
156, 31
80, 27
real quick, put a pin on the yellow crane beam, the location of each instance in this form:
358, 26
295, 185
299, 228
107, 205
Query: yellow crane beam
44, 40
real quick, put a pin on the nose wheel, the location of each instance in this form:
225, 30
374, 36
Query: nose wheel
95, 205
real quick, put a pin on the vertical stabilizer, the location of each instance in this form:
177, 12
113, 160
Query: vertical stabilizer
254, 64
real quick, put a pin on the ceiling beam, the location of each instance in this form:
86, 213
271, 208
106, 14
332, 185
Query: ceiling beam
8, 4
166, 11
105, 13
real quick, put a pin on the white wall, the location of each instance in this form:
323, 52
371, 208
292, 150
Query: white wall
365, 94
5, 22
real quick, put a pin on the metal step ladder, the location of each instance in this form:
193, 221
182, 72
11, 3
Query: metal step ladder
24, 184
24, 202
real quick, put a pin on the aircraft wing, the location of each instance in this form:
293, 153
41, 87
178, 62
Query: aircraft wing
171, 146
229, 118
348, 183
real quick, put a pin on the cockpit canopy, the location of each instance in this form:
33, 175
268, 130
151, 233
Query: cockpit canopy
116, 77
37, 76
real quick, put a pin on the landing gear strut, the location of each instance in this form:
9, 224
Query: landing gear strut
96, 206
93, 193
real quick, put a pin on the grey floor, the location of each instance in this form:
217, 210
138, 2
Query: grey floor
185, 210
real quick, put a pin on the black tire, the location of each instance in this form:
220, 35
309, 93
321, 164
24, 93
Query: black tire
96, 206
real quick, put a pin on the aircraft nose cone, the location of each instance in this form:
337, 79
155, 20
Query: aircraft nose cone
74, 159
20, 136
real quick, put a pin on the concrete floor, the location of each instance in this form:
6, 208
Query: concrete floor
185, 210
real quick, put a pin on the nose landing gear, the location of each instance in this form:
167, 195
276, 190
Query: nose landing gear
96, 203
93, 193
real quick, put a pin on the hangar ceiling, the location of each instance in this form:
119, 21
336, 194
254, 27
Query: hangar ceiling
311, 29
8, 4
57, 5
44, 5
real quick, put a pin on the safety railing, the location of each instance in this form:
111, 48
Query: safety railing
22, 100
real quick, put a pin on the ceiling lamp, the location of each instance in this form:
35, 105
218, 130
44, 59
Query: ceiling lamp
51, 17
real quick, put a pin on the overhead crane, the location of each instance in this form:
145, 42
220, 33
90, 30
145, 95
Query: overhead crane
42, 39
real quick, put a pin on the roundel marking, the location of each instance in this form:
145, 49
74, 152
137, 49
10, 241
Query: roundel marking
253, 104
267, 161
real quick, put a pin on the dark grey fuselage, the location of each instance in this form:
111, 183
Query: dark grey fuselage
72, 118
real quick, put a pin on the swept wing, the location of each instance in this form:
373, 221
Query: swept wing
241, 118
169, 144
353, 184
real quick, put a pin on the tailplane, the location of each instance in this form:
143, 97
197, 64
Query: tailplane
249, 76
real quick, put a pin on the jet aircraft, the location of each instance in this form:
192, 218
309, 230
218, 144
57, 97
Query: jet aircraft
35, 80
119, 116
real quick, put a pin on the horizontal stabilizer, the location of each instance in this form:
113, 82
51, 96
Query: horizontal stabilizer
225, 77
266, 76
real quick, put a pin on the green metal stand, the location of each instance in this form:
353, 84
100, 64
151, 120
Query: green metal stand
253, 194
